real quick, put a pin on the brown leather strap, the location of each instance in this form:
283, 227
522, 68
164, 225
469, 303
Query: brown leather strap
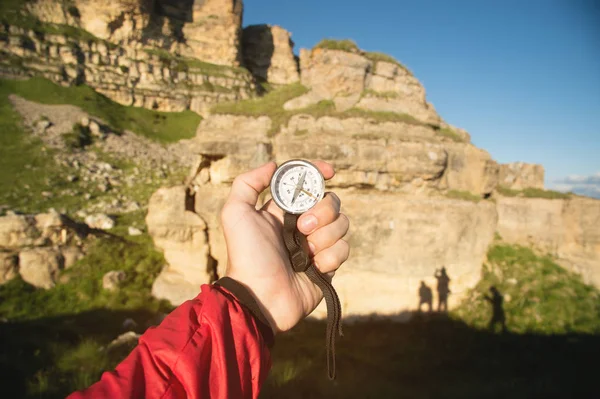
300, 260
244, 297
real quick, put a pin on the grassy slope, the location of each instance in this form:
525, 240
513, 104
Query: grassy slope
27, 168
165, 127
540, 296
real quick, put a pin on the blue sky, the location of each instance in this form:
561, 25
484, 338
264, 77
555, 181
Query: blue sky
523, 77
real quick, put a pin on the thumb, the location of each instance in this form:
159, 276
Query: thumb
247, 187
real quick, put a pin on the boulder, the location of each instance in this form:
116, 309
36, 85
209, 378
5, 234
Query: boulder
18, 231
134, 231
112, 280
40, 266
100, 221
9, 266
181, 234
126, 340
71, 255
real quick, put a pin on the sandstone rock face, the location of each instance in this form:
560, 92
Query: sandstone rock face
214, 32
398, 241
40, 266
520, 175
181, 234
330, 73
118, 21
204, 29
268, 54
567, 229
470, 169
352, 80
393, 88
128, 74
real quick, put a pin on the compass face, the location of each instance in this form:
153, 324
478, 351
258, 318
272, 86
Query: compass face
297, 186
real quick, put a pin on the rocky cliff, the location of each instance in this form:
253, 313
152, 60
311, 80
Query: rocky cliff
418, 193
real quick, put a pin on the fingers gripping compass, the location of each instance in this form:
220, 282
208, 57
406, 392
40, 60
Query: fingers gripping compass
296, 187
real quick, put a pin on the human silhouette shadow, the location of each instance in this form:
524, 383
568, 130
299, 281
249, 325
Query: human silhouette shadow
425, 296
443, 289
498, 317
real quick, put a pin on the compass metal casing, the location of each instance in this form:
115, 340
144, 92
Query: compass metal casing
286, 178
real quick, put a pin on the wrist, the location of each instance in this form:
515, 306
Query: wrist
247, 298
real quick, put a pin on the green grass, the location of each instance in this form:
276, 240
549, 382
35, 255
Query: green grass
271, 105
181, 63
380, 94
164, 127
539, 295
27, 169
377, 56
333, 44
532, 193
450, 134
463, 195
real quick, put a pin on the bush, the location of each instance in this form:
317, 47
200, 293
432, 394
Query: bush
332, 44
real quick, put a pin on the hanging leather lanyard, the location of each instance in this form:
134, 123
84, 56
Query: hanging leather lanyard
296, 245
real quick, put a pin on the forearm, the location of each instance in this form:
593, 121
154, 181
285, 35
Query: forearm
209, 347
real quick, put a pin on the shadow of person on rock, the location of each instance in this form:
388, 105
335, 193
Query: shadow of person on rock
443, 284
498, 316
425, 296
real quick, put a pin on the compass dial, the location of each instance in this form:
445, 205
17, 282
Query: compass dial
297, 186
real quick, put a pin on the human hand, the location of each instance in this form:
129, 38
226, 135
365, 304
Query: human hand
258, 258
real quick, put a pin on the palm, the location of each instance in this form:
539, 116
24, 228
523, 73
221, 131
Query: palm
261, 261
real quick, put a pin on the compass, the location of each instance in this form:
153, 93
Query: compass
297, 186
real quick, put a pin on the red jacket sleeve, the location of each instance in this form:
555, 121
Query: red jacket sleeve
209, 347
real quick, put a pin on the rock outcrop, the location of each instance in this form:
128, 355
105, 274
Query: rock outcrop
398, 241
564, 228
38, 246
520, 175
203, 29
268, 54
181, 234
352, 79
142, 77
